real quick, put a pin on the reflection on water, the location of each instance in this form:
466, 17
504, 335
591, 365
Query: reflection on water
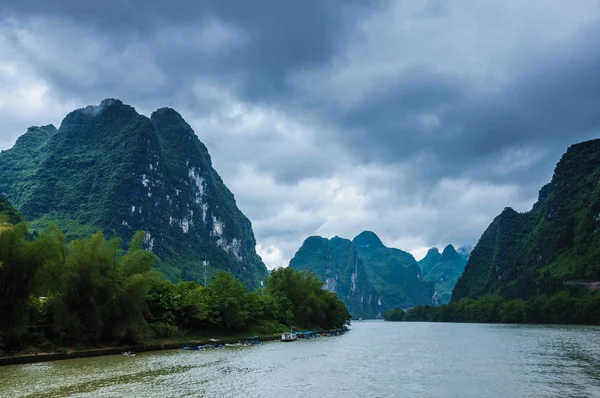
375, 359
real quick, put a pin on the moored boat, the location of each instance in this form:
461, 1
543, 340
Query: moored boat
289, 336
214, 343
253, 340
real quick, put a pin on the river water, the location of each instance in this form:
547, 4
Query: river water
375, 359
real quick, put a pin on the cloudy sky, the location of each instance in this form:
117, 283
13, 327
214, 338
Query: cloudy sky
419, 120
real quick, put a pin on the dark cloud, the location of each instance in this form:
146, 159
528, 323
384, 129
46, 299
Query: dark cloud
277, 37
419, 120
548, 105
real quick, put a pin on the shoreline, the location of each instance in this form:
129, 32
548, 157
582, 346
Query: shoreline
97, 352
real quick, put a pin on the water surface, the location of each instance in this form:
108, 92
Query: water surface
375, 359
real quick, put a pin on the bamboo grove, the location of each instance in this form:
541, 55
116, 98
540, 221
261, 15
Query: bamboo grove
92, 292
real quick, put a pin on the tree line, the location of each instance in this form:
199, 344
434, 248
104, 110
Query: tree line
90, 292
566, 307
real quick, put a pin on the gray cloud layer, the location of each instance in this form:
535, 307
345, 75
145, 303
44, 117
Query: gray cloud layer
419, 120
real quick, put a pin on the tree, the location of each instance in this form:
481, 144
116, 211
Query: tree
20, 260
226, 301
99, 293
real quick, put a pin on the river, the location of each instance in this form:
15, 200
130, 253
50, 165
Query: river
375, 359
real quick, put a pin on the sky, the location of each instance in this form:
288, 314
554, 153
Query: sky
418, 120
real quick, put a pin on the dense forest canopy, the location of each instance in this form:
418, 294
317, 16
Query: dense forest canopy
566, 307
91, 291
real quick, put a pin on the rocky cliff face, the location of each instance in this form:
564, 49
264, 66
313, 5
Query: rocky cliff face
108, 167
394, 273
556, 243
366, 274
443, 269
337, 264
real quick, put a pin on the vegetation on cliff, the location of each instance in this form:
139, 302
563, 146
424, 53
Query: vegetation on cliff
109, 168
543, 251
8, 214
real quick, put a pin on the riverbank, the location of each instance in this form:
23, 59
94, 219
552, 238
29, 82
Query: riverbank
20, 359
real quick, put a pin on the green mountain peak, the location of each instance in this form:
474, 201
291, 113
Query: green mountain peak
555, 244
368, 239
443, 269
449, 253
366, 274
109, 168
337, 264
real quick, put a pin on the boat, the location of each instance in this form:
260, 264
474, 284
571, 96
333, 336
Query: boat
194, 348
214, 343
253, 340
307, 335
128, 354
238, 344
289, 336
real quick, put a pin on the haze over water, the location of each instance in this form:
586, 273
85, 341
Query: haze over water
375, 359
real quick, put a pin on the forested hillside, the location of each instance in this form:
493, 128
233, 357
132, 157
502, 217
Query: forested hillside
551, 247
109, 168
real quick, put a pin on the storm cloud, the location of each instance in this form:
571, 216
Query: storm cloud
418, 120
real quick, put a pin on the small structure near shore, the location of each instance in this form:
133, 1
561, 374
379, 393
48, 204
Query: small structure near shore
289, 336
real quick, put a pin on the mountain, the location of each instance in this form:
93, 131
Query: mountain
366, 274
430, 260
109, 168
394, 273
444, 269
555, 244
335, 261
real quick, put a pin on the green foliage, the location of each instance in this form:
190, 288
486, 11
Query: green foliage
20, 260
92, 292
562, 308
99, 293
8, 214
303, 301
226, 301
554, 245
109, 168
395, 315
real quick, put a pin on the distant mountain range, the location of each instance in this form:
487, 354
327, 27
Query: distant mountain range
366, 274
109, 168
551, 247
444, 270
337, 263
